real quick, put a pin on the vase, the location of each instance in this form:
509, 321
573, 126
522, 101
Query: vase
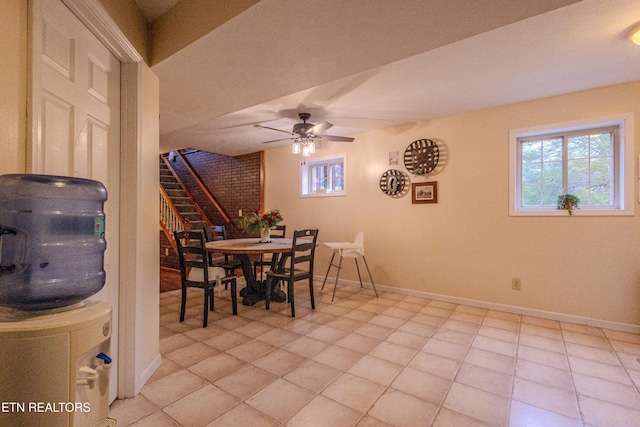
265, 235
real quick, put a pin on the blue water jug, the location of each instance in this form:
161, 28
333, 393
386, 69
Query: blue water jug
51, 240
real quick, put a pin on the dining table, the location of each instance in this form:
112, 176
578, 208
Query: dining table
242, 249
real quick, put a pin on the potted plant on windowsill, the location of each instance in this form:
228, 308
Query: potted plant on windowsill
568, 202
261, 223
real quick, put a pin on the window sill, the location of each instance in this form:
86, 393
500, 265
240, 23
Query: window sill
331, 194
580, 212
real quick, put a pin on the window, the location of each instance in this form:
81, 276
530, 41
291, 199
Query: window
588, 160
324, 177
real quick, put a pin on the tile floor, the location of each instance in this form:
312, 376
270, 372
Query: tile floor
397, 361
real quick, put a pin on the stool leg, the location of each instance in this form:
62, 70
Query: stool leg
370, 277
327, 275
358, 270
336, 285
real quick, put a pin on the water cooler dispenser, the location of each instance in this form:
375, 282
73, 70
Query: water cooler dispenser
54, 343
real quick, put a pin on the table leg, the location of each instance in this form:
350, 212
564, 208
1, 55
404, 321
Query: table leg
255, 290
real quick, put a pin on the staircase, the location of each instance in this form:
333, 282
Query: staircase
180, 199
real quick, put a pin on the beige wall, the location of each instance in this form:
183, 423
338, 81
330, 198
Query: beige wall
466, 245
188, 21
13, 86
129, 18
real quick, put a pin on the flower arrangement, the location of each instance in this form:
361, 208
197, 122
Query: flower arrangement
257, 221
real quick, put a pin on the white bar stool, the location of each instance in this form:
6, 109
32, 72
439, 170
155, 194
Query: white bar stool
348, 250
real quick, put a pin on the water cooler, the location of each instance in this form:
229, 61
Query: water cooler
54, 343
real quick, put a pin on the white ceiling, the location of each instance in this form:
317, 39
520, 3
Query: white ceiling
371, 64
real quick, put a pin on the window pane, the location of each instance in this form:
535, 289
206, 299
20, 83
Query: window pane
601, 145
541, 173
578, 147
601, 169
552, 173
578, 171
337, 177
531, 195
601, 194
318, 178
531, 174
550, 194
531, 151
552, 183
552, 149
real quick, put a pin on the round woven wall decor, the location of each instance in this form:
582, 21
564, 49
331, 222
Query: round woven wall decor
421, 156
392, 182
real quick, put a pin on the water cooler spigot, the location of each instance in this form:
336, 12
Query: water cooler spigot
90, 379
106, 359
106, 362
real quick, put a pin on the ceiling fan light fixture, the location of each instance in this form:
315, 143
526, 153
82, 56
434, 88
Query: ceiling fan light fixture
303, 145
633, 34
295, 148
304, 135
308, 148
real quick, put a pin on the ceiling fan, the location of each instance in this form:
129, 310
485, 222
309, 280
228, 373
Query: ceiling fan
304, 133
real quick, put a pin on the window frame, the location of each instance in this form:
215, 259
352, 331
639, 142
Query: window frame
305, 171
623, 159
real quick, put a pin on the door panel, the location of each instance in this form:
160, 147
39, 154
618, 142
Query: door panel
57, 130
76, 123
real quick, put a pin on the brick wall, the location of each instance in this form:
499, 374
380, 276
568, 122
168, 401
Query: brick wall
168, 257
235, 182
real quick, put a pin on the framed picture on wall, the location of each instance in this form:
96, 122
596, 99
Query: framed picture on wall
424, 192
393, 157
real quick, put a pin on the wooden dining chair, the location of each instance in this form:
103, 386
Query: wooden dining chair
214, 233
196, 272
277, 232
297, 266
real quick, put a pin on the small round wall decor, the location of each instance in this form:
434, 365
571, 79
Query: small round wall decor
421, 156
392, 182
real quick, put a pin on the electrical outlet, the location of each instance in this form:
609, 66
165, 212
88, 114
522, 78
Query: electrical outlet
240, 212
516, 284
166, 251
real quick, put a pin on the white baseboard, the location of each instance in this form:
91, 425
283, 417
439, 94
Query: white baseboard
604, 324
147, 373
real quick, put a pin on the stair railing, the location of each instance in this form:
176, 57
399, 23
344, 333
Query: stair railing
203, 187
170, 219
203, 216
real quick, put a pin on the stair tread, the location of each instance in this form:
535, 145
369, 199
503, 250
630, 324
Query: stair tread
180, 198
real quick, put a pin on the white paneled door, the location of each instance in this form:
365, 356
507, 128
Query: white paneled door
76, 122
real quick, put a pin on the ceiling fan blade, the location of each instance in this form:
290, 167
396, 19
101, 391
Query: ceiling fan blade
319, 128
337, 138
276, 140
278, 130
